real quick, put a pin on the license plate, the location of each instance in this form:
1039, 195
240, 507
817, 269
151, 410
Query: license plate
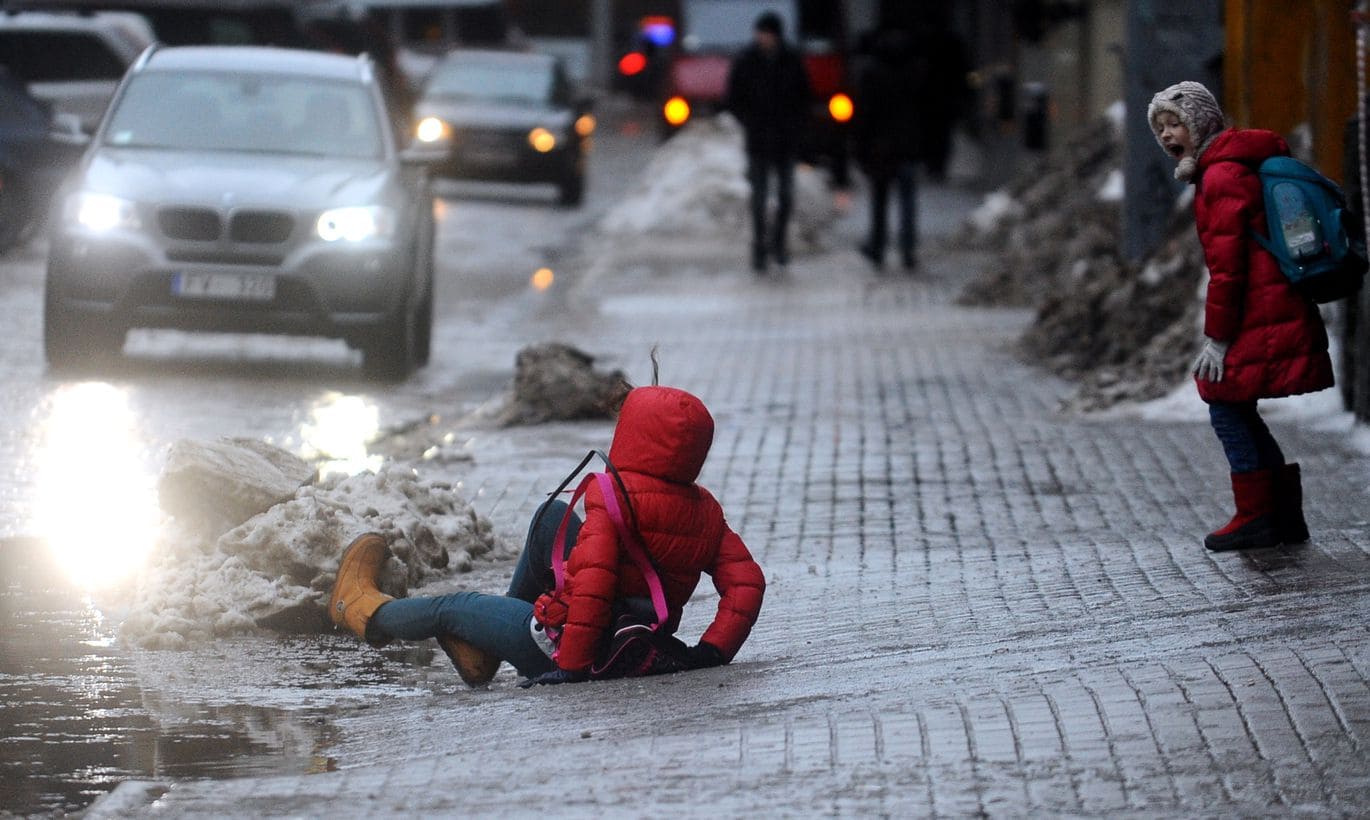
239, 286
489, 158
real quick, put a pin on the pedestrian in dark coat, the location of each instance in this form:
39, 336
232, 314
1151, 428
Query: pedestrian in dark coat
769, 94
886, 134
1262, 339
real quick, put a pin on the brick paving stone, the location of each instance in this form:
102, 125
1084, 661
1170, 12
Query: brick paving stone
977, 603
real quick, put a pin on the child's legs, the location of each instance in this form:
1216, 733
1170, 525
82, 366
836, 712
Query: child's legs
1245, 438
494, 623
533, 572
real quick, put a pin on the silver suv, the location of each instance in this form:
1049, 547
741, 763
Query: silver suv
248, 189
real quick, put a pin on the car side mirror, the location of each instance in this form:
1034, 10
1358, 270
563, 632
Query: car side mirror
66, 128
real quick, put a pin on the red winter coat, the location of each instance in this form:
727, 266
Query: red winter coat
660, 443
1278, 342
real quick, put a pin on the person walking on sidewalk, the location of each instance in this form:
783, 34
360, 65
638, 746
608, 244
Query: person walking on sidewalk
659, 445
769, 93
1262, 339
886, 134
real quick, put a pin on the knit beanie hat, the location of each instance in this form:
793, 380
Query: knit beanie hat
1197, 110
771, 22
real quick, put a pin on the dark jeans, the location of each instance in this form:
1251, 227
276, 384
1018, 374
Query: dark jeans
905, 181
498, 624
759, 167
1245, 438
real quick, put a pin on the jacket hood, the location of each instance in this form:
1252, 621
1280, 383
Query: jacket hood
1250, 146
663, 432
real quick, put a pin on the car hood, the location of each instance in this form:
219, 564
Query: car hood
466, 114
217, 179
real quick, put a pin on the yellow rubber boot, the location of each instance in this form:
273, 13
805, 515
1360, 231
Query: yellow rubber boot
355, 595
475, 666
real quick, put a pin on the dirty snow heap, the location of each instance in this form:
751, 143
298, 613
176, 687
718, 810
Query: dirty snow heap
1124, 330
696, 187
273, 567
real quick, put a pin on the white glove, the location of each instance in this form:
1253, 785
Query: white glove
1208, 365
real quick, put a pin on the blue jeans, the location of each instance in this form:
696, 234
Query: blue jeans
1245, 438
498, 624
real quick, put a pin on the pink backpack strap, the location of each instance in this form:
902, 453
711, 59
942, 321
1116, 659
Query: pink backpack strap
630, 540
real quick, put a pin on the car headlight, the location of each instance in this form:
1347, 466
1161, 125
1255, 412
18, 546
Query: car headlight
542, 140
432, 129
101, 212
354, 224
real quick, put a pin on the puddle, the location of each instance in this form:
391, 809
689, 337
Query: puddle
79, 714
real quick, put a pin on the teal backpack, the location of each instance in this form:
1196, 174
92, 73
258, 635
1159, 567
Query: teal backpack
1318, 242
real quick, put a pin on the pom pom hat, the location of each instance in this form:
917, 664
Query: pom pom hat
1197, 110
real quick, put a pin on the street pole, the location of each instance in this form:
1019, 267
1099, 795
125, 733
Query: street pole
1167, 41
601, 42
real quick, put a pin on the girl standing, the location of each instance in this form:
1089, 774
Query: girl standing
1262, 339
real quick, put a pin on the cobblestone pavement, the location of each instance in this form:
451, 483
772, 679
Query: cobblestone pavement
976, 604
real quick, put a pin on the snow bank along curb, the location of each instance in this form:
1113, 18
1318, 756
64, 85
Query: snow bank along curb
274, 570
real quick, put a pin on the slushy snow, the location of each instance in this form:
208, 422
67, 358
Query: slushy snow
276, 569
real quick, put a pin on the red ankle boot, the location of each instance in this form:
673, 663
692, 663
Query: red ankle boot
1289, 505
1253, 527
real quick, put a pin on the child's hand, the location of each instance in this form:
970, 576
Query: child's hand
1208, 365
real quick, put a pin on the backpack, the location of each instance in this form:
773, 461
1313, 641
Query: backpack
634, 645
1318, 242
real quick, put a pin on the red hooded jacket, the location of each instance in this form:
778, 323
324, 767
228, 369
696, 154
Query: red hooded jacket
1278, 342
660, 443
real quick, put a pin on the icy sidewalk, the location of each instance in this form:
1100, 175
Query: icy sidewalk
976, 604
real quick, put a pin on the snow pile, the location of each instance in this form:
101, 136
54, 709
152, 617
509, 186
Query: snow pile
276, 569
696, 186
1047, 220
1124, 331
217, 485
557, 382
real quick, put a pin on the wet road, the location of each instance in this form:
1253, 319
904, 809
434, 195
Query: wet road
78, 713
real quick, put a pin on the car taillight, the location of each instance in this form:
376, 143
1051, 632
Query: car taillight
840, 107
632, 64
676, 111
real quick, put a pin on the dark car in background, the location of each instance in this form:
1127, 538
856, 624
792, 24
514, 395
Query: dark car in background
245, 189
36, 151
508, 116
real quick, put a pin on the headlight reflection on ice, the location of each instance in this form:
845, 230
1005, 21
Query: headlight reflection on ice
339, 430
97, 499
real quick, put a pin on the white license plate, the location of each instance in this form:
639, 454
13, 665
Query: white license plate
490, 158
241, 286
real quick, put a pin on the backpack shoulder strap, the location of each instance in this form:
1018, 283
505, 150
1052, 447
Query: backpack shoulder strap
627, 536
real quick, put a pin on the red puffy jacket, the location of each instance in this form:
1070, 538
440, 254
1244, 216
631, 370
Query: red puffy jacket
660, 443
1278, 342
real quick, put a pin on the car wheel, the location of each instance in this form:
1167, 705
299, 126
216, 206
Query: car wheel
13, 216
389, 354
572, 189
70, 340
423, 330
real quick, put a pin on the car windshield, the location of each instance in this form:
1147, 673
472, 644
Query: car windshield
470, 79
267, 114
